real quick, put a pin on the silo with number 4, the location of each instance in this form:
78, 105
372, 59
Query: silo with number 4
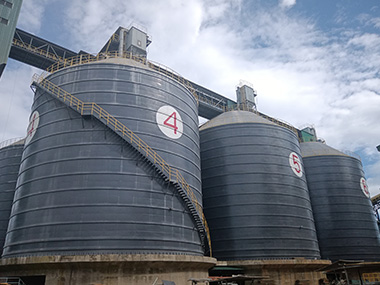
83, 189
344, 218
255, 193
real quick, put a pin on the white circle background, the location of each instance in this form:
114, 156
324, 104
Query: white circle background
293, 164
163, 114
34, 121
364, 187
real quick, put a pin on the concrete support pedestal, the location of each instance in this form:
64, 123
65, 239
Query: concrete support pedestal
110, 269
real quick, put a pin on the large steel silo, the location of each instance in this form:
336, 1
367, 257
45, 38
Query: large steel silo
346, 225
82, 189
10, 159
254, 190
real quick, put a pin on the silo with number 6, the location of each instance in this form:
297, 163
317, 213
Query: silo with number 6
344, 218
255, 193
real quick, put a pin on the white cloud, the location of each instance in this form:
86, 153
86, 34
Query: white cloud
16, 98
173, 23
355, 121
376, 22
287, 3
368, 20
31, 15
367, 41
372, 171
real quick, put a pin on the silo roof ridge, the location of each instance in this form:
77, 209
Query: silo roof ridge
235, 117
319, 149
19, 142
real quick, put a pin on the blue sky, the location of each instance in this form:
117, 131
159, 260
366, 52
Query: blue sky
312, 62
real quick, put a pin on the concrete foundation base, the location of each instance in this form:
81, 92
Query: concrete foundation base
112, 269
283, 271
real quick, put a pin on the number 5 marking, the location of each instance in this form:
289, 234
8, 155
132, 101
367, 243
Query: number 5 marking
295, 164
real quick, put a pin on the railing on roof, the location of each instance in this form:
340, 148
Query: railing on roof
244, 107
9, 142
114, 37
88, 58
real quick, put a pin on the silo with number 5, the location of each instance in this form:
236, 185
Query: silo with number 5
83, 189
256, 198
344, 218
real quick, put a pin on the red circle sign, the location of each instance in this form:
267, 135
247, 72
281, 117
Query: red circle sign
364, 187
295, 164
170, 122
32, 127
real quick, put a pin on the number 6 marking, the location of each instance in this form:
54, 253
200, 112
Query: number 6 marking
169, 122
364, 186
295, 164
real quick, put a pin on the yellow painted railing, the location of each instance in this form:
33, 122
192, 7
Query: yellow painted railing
98, 112
36, 50
88, 58
244, 107
114, 37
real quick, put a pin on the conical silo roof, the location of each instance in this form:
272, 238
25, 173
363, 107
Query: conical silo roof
235, 117
317, 149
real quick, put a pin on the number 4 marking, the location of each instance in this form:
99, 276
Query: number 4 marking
174, 126
169, 122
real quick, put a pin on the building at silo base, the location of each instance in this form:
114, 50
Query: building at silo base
353, 272
112, 269
282, 271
